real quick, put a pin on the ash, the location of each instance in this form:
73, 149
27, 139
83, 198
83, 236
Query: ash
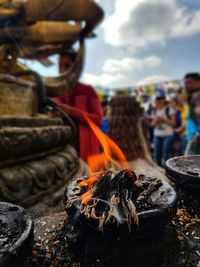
9, 235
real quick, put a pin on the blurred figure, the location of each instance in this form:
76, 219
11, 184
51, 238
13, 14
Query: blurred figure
80, 100
194, 144
163, 123
192, 88
191, 84
149, 114
182, 129
175, 105
180, 106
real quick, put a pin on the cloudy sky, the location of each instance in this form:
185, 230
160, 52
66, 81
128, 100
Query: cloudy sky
144, 41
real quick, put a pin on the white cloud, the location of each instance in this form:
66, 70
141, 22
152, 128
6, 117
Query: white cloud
188, 25
104, 79
153, 79
130, 64
140, 23
119, 72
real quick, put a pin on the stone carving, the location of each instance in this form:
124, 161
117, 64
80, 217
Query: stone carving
35, 158
28, 183
21, 144
34, 121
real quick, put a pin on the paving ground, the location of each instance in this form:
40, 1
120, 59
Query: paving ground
178, 245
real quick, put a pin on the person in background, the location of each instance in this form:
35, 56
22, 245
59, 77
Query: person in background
163, 123
82, 99
104, 125
148, 114
182, 129
192, 89
175, 105
191, 84
179, 103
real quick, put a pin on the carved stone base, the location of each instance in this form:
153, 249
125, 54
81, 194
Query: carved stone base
26, 184
18, 144
36, 162
54, 203
29, 121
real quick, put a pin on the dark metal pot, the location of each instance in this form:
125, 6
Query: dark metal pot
184, 171
16, 234
150, 221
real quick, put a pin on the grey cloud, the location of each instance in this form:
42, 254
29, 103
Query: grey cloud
149, 19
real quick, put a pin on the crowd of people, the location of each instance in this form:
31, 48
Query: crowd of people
173, 121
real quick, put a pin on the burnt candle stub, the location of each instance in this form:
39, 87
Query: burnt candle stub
116, 200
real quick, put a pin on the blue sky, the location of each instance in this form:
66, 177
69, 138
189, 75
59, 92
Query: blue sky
143, 41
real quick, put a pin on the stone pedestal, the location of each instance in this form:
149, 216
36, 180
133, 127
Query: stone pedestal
36, 161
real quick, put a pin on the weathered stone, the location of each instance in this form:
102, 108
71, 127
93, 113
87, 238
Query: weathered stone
36, 161
55, 202
29, 121
26, 184
17, 98
19, 144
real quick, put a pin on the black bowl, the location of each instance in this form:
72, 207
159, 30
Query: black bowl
150, 221
154, 220
184, 171
16, 234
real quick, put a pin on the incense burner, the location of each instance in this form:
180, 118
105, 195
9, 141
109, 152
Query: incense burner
16, 234
184, 171
121, 204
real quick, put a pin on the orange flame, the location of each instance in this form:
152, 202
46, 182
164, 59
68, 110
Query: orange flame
112, 154
110, 148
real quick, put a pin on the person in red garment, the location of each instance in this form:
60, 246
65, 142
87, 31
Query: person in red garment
81, 98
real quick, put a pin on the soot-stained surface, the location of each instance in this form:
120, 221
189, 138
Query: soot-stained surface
59, 243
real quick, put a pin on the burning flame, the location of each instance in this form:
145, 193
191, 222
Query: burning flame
112, 154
